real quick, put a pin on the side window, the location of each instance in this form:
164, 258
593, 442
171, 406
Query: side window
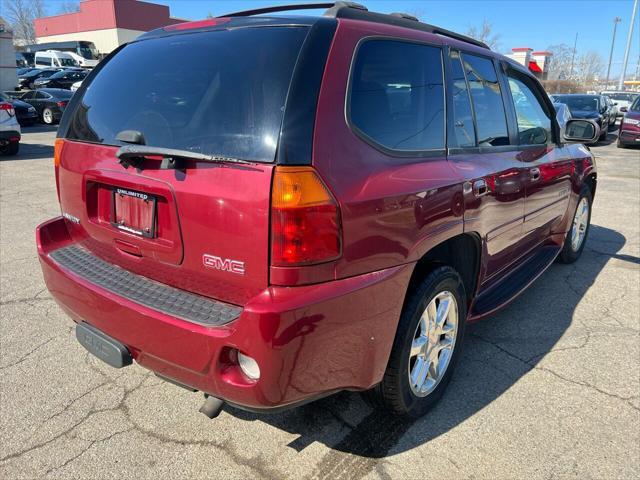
491, 119
534, 126
464, 134
397, 95
29, 95
43, 61
42, 95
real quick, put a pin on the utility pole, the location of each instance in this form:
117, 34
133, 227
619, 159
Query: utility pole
573, 57
626, 50
616, 21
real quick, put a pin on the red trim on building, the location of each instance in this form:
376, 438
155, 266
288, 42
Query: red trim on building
521, 49
548, 54
534, 67
105, 14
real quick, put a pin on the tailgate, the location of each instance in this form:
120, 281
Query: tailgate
211, 224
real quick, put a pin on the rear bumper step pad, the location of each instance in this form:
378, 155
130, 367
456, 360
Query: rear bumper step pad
163, 298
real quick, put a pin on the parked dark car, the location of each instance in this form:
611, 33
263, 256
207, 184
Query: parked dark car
25, 112
49, 103
281, 207
26, 81
629, 133
593, 107
25, 70
62, 79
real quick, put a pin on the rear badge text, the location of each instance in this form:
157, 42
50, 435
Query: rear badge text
224, 264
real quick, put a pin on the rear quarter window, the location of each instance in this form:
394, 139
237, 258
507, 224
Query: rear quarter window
396, 97
219, 92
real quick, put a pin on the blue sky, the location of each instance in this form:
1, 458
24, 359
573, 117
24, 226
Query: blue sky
520, 23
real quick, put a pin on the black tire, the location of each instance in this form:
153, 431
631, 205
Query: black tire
45, 113
568, 254
11, 149
621, 144
394, 392
603, 135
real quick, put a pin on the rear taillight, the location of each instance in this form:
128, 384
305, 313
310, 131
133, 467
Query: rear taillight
58, 146
62, 104
305, 219
8, 108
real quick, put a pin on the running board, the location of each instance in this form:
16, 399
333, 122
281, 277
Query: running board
512, 285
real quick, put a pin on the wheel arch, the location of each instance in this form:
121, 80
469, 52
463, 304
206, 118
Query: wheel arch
462, 252
591, 181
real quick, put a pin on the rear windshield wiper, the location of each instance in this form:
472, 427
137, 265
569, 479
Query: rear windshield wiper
133, 155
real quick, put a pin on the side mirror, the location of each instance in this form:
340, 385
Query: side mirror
615, 103
624, 109
581, 131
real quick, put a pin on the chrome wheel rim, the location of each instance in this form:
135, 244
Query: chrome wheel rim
433, 344
47, 116
580, 224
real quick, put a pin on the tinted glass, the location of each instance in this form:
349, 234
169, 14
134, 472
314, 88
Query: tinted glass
217, 92
635, 106
29, 96
463, 129
42, 95
397, 95
61, 94
534, 126
581, 103
491, 120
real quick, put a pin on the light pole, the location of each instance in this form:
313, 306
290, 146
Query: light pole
616, 21
626, 50
573, 57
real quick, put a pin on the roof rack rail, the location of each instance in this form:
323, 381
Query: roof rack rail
401, 20
355, 11
404, 15
301, 6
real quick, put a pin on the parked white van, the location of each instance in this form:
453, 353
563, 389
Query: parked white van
54, 58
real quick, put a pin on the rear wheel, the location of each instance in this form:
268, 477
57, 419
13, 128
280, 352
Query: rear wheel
603, 135
47, 116
621, 144
426, 347
577, 236
10, 148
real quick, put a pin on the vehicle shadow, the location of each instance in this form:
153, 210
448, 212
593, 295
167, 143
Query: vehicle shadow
497, 353
31, 151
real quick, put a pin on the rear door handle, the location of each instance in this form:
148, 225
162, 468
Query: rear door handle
535, 174
480, 188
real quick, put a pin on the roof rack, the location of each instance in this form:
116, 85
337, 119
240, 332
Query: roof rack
356, 11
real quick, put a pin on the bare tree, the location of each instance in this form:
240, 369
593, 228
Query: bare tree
485, 34
560, 66
590, 67
21, 14
69, 6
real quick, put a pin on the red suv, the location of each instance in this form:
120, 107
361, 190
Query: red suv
278, 208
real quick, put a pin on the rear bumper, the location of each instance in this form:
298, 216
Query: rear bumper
9, 136
308, 341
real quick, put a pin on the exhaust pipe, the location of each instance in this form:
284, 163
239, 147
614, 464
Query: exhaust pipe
212, 406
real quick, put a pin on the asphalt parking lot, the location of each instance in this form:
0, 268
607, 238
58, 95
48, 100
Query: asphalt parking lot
549, 387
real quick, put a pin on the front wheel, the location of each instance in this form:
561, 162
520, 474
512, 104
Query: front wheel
427, 345
577, 236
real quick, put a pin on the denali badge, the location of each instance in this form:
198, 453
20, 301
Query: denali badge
71, 218
224, 264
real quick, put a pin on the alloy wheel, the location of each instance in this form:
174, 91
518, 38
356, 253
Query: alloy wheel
580, 224
433, 344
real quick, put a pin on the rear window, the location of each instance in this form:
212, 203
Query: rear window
219, 92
